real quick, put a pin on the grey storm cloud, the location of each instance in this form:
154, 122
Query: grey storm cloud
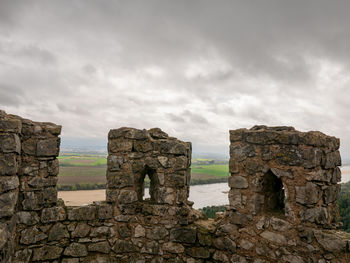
194, 68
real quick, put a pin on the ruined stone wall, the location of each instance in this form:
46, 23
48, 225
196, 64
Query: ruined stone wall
282, 200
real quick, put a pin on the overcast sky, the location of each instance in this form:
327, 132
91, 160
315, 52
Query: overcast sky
193, 68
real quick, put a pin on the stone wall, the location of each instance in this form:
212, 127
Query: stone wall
282, 200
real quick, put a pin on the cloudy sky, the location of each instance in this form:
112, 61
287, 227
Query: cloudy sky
193, 68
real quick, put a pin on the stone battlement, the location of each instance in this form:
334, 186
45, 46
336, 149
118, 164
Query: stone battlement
282, 200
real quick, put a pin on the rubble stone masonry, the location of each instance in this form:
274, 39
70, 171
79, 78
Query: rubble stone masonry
284, 187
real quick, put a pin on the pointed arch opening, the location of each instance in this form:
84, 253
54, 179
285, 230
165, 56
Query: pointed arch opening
143, 183
274, 193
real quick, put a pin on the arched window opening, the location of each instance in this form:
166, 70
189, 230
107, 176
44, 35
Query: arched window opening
144, 183
273, 191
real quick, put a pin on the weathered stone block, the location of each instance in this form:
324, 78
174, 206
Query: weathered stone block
274, 237
114, 162
173, 147
280, 224
53, 214
48, 147
120, 179
240, 152
238, 182
39, 182
31, 236
27, 218
47, 253
117, 133
197, 252
136, 134
123, 246
81, 230
173, 247
105, 211
183, 235
101, 247
318, 215
331, 193
10, 125
127, 197
10, 143
58, 232
82, 213
157, 133
225, 243
143, 146
157, 233
332, 160
8, 203
331, 242
8, 164
233, 166
119, 145
8, 183
75, 250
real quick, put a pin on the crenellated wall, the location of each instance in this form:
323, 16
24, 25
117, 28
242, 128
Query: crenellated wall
282, 202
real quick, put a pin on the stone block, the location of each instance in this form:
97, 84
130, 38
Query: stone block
8, 164
274, 237
101, 247
119, 145
27, 218
114, 162
10, 125
157, 233
318, 215
127, 197
58, 232
331, 242
183, 235
51, 128
8, 183
31, 236
157, 133
225, 243
8, 203
197, 252
143, 146
331, 193
81, 230
120, 179
238, 182
105, 211
10, 143
82, 213
118, 133
47, 253
38, 183
53, 214
174, 248
332, 160
233, 166
123, 246
48, 147
240, 152
76, 250
173, 147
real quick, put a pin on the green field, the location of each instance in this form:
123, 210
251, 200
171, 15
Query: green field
79, 171
220, 170
82, 160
